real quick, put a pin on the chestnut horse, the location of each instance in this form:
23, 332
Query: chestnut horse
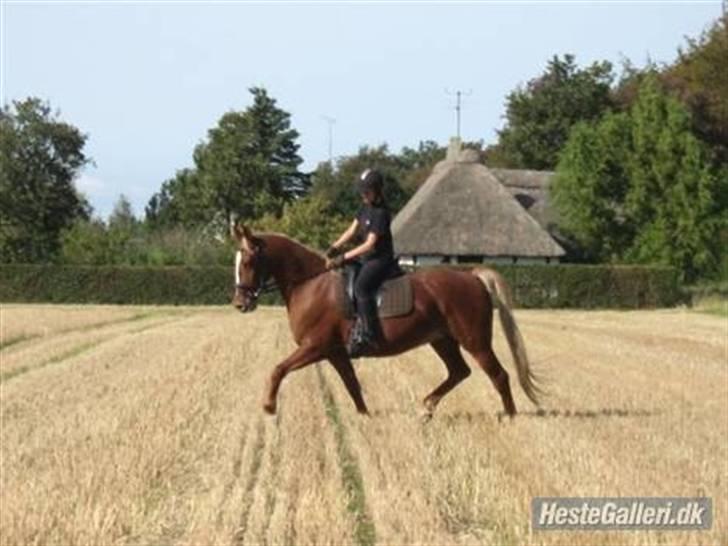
452, 309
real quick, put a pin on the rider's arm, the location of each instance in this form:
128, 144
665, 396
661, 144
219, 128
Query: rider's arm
347, 235
363, 248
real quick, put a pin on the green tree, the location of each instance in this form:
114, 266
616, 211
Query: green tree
417, 164
699, 77
590, 189
122, 215
309, 220
640, 187
247, 167
180, 201
87, 242
674, 191
40, 156
336, 184
540, 116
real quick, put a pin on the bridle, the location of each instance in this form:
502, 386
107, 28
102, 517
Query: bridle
265, 283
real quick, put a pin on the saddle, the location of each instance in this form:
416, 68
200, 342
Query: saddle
394, 297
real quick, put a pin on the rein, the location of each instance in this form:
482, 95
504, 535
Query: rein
267, 284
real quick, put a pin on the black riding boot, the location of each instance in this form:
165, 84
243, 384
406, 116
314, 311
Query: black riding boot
365, 335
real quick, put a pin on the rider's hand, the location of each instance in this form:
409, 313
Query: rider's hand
335, 263
332, 252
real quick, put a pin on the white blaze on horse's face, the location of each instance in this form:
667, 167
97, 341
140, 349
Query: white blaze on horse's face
238, 260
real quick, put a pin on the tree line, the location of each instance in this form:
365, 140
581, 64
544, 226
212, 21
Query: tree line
640, 159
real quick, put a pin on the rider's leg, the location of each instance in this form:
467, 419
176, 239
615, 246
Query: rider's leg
371, 276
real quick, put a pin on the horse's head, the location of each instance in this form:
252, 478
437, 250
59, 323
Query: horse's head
250, 268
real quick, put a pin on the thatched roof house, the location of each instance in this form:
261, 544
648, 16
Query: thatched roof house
531, 190
463, 213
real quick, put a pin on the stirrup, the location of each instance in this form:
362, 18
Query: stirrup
360, 339
360, 346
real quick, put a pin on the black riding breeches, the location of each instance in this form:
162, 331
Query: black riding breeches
371, 276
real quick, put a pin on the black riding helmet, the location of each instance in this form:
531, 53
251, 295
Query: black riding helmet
370, 179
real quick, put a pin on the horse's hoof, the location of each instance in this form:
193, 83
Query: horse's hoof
502, 414
270, 409
426, 416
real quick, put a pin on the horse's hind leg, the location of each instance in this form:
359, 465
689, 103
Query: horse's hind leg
498, 375
457, 370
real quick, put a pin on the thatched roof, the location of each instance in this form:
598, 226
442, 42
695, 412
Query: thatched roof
531, 190
462, 209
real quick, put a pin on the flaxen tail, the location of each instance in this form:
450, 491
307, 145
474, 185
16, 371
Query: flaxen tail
500, 293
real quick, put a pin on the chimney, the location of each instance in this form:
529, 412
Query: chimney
453, 150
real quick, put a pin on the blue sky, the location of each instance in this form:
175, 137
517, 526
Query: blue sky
147, 80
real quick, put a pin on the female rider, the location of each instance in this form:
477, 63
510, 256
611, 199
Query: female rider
375, 252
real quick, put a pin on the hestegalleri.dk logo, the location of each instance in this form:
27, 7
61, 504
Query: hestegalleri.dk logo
621, 513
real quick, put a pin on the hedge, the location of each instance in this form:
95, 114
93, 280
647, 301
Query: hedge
181, 285
534, 286
592, 286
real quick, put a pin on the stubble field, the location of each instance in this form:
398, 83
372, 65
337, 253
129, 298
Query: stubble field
143, 425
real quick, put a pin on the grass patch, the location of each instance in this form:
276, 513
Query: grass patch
712, 305
717, 310
17, 339
364, 530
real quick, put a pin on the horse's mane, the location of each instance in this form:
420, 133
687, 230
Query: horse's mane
291, 240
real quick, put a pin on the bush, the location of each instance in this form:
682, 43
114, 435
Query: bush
94, 243
547, 286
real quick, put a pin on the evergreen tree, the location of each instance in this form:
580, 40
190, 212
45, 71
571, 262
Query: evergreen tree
247, 167
673, 195
122, 216
590, 189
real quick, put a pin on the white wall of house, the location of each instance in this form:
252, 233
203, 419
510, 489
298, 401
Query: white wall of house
425, 260
428, 260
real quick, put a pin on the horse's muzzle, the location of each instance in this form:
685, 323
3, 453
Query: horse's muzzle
246, 306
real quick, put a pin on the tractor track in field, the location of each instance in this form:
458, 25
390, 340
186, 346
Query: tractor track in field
20, 340
271, 491
236, 466
253, 476
83, 348
364, 529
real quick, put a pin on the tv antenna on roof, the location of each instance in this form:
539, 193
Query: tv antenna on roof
458, 105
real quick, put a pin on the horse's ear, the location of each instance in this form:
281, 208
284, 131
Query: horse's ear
236, 232
241, 233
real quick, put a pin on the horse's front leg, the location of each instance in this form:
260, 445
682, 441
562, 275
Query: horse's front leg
301, 357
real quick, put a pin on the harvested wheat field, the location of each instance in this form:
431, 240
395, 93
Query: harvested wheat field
144, 426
